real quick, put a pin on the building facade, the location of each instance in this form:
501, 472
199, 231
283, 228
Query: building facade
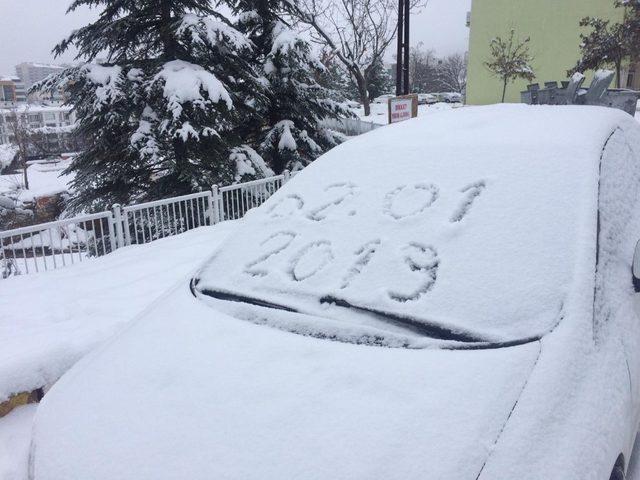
553, 27
49, 127
12, 91
31, 73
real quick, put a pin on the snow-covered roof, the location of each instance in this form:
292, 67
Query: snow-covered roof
473, 220
45, 65
10, 78
31, 108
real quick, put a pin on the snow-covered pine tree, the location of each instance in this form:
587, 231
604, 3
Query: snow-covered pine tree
291, 134
163, 114
334, 76
379, 83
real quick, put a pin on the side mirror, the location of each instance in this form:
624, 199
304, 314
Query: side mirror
635, 268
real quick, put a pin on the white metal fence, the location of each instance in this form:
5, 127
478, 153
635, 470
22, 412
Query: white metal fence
350, 126
53, 245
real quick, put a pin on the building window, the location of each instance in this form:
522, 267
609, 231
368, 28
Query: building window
7, 93
34, 118
630, 78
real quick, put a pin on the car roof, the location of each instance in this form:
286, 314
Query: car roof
477, 219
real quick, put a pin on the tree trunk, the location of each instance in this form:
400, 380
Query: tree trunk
170, 52
169, 43
364, 93
26, 176
20, 135
504, 89
618, 73
366, 104
182, 164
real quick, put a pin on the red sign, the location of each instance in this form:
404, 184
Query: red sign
402, 108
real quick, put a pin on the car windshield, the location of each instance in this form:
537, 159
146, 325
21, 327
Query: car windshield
464, 229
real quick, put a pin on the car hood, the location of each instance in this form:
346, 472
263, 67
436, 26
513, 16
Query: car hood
188, 392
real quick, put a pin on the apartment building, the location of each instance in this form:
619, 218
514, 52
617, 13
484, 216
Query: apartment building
31, 73
12, 91
50, 126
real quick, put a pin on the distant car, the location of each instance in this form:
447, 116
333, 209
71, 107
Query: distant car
383, 98
427, 99
451, 97
447, 298
352, 104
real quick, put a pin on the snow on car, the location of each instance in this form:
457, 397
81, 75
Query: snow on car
407, 307
427, 99
383, 98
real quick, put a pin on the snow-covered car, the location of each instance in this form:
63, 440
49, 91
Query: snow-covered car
446, 298
383, 98
427, 99
450, 97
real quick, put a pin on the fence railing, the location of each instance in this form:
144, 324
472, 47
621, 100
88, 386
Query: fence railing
53, 245
236, 200
350, 126
150, 221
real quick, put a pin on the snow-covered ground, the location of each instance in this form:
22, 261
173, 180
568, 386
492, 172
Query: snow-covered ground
380, 115
44, 179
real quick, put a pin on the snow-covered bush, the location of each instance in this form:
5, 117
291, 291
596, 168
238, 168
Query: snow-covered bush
7, 155
12, 213
8, 266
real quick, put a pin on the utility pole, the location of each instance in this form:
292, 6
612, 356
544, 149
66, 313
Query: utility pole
405, 66
400, 45
402, 56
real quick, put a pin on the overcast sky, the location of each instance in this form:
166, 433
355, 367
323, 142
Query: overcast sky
30, 28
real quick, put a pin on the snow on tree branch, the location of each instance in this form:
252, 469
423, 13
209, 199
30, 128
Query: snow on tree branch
185, 82
214, 31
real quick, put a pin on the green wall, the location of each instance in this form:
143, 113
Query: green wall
555, 37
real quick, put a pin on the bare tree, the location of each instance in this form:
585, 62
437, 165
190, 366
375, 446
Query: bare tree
452, 73
510, 60
19, 135
423, 69
358, 31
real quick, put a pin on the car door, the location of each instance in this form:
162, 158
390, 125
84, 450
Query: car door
616, 305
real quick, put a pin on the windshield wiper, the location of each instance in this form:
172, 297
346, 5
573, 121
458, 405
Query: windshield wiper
425, 329
422, 328
430, 330
233, 297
